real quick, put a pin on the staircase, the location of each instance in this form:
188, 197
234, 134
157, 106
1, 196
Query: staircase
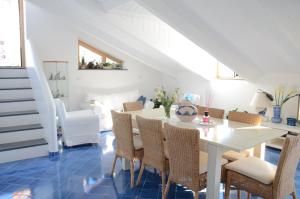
21, 134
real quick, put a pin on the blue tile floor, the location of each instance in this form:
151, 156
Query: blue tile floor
83, 172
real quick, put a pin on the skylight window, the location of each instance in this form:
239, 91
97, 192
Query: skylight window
225, 73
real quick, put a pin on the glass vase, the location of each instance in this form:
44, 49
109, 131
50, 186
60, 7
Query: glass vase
276, 114
167, 111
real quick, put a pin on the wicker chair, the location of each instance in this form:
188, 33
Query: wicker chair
264, 179
132, 106
213, 112
154, 151
188, 165
242, 117
128, 146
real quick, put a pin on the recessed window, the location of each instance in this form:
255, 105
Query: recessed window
10, 35
225, 73
90, 57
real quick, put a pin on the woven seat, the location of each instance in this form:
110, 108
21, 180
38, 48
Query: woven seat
254, 168
263, 179
188, 166
213, 112
242, 117
233, 155
154, 149
128, 146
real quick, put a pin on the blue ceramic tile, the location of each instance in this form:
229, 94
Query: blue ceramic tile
84, 172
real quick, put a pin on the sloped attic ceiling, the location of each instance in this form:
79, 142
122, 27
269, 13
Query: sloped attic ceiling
89, 19
251, 37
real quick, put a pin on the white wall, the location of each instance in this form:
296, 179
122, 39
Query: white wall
55, 40
231, 94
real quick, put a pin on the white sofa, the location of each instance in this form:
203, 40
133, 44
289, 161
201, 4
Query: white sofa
79, 127
102, 104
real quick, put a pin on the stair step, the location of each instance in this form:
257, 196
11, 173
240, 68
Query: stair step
18, 88
16, 100
22, 144
20, 128
14, 83
17, 105
12, 67
15, 113
16, 94
18, 136
18, 120
14, 77
6, 72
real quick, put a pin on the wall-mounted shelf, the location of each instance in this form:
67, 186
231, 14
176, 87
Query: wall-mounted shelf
57, 75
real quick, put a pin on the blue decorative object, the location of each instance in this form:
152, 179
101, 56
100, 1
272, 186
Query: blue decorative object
142, 99
291, 121
277, 114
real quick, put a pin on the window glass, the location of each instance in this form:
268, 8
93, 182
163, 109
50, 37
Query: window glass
10, 50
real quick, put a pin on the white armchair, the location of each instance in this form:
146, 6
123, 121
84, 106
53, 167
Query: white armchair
79, 127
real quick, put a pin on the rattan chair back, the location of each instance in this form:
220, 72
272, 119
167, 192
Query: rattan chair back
122, 128
284, 180
152, 137
132, 106
243, 117
183, 147
213, 112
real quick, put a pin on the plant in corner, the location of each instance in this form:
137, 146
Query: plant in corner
281, 97
165, 99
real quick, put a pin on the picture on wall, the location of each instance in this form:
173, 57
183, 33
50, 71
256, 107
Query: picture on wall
90, 58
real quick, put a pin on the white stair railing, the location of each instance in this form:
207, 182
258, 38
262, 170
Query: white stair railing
43, 97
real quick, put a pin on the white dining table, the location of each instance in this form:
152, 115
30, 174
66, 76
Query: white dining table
219, 136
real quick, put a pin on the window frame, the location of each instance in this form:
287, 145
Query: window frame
103, 54
235, 75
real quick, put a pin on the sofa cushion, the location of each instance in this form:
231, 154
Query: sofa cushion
233, 155
255, 168
137, 142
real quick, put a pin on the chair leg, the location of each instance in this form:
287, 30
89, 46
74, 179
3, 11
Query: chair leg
248, 195
196, 195
140, 174
114, 165
163, 182
294, 195
227, 188
165, 193
131, 173
238, 194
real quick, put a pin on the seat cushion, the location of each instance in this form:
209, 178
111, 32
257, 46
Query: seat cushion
137, 142
233, 155
204, 162
255, 168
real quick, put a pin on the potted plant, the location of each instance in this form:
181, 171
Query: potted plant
82, 64
165, 99
107, 66
281, 97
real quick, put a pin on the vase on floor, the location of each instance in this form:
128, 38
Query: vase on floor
276, 114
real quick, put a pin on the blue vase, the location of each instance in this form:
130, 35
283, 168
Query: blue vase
276, 114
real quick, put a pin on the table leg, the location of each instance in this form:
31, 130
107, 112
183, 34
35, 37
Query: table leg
214, 171
125, 164
259, 151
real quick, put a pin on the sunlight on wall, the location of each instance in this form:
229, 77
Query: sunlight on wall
150, 29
